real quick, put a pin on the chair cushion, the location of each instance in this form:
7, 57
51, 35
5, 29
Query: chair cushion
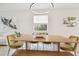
12, 43
16, 44
66, 47
70, 46
47, 42
33, 42
74, 38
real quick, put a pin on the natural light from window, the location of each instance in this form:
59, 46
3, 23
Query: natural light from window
41, 19
40, 23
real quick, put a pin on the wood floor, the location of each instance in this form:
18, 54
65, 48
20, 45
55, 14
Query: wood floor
40, 53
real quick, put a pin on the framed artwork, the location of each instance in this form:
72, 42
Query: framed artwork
70, 21
8, 22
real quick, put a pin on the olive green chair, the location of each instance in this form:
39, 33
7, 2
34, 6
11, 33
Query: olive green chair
13, 44
70, 47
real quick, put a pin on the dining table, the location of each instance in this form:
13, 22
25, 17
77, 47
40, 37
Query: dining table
49, 38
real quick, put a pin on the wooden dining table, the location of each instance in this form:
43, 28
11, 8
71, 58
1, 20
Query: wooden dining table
50, 38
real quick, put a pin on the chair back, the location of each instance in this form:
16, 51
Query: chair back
74, 38
12, 43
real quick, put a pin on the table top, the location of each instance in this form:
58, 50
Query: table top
49, 38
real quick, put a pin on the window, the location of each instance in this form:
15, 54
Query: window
40, 23
40, 27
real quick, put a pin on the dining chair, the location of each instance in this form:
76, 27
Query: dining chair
70, 47
13, 44
46, 45
34, 45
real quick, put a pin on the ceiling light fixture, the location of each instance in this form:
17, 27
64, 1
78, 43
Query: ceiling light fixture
41, 8
35, 3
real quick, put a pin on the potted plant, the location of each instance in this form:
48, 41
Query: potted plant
18, 34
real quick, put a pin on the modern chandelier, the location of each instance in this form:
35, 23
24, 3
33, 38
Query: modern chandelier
41, 8
35, 3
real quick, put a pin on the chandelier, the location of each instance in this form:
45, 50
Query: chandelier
41, 8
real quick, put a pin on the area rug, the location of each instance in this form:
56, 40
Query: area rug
40, 53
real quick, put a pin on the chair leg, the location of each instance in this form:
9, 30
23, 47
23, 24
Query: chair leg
75, 53
8, 52
26, 46
43, 46
37, 46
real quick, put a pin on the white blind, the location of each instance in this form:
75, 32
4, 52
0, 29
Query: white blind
41, 19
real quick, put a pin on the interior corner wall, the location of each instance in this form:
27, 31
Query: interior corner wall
22, 19
55, 22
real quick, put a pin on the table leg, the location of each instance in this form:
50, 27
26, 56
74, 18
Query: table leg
26, 46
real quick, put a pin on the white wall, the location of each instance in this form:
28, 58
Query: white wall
56, 26
25, 22
22, 19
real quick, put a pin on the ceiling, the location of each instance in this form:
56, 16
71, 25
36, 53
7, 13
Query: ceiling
26, 6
